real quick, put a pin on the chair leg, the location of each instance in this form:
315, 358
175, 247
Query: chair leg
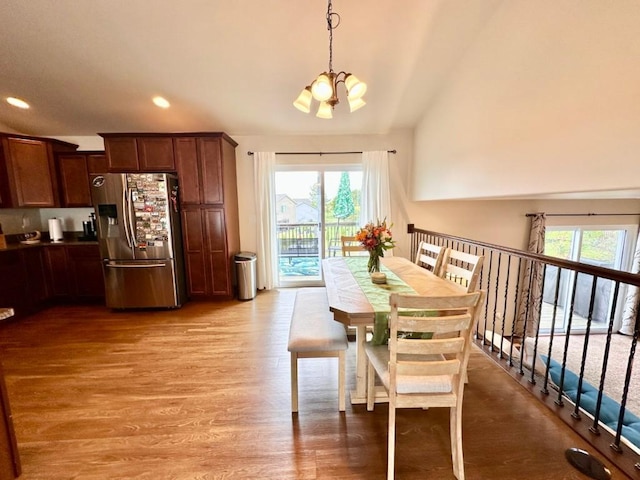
341, 381
456, 441
294, 382
371, 389
391, 448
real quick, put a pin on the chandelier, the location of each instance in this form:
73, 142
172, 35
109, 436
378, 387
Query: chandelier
325, 88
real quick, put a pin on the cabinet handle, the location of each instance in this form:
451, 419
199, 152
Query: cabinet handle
151, 265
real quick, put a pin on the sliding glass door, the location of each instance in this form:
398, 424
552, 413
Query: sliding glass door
608, 247
314, 207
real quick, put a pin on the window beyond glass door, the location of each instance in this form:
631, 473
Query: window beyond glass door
605, 247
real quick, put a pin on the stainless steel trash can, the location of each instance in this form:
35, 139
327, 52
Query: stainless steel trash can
246, 275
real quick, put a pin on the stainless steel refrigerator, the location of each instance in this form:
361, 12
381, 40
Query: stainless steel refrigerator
138, 227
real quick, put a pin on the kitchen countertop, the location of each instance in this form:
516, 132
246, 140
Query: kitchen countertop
71, 240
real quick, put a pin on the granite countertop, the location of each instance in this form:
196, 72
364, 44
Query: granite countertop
70, 238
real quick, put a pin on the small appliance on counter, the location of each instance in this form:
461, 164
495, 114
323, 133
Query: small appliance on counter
89, 229
55, 230
30, 238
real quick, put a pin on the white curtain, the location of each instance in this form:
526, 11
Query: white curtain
375, 202
266, 231
633, 298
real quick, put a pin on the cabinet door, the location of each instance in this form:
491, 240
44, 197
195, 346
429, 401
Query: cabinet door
194, 252
97, 163
186, 154
36, 280
211, 167
30, 170
57, 271
85, 272
74, 181
218, 261
155, 154
122, 154
13, 293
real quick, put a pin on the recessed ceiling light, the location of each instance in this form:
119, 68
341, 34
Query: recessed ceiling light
16, 102
161, 102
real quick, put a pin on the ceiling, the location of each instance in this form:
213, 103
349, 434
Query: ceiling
88, 67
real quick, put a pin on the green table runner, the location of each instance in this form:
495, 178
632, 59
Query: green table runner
378, 295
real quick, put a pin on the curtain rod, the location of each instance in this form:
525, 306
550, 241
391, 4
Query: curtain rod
318, 153
581, 214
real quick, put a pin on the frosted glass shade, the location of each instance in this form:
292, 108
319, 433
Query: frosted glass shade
324, 111
355, 104
303, 102
322, 89
355, 88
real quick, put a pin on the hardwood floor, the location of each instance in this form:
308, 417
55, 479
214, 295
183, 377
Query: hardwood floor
203, 392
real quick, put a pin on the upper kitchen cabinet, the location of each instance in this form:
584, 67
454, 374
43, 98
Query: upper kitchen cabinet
206, 169
73, 174
137, 152
27, 170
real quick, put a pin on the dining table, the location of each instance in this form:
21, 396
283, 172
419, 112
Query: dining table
358, 302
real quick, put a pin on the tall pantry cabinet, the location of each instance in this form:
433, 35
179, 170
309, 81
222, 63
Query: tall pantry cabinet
206, 166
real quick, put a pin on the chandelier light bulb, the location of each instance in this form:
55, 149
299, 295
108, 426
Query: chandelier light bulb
324, 111
303, 102
322, 89
355, 88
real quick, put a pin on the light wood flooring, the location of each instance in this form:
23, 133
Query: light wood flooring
202, 392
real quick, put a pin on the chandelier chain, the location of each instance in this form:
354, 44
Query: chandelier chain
330, 27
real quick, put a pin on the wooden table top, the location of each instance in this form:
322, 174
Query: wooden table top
351, 306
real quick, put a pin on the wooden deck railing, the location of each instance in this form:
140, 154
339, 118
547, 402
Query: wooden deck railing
510, 322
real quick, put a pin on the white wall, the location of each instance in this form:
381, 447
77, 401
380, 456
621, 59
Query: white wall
545, 100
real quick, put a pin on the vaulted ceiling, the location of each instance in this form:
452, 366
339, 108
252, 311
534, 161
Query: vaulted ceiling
90, 66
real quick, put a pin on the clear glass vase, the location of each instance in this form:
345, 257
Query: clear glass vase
374, 262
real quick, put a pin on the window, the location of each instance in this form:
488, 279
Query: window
609, 247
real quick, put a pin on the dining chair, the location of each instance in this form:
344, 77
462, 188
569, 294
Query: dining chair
425, 372
462, 268
430, 256
351, 245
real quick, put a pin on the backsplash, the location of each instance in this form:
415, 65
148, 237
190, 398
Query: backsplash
12, 219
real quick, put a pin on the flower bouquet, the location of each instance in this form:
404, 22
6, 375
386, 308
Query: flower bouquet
375, 238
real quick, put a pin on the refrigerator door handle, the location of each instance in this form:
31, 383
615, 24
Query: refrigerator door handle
148, 265
126, 211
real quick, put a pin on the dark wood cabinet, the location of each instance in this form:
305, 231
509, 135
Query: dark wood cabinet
13, 279
139, 153
97, 162
85, 272
36, 288
208, 268
22, 276
155, 154
58, 285
74, 272
206, 167
74, 181
73, 174
27, 171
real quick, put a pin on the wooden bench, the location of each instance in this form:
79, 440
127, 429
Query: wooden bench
313, 334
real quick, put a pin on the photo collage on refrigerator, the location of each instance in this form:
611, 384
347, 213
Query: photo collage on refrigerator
149, 198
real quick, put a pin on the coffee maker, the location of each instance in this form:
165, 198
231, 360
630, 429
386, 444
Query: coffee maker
89, 228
